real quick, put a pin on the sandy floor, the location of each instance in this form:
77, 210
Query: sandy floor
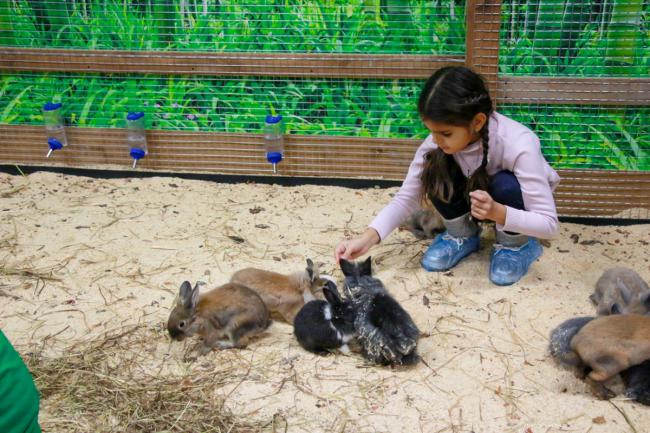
80, 256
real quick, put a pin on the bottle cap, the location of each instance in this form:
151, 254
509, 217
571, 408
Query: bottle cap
50, 106
273, 119
54, 143
137, 153
134, 115
274, 157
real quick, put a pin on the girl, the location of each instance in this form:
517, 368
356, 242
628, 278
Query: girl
479, 163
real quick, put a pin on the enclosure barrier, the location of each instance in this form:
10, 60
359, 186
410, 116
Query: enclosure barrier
588, 193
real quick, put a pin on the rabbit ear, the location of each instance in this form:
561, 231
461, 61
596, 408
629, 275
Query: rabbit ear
616, 309
592, 298
347, 268
626, 293
366, 267
310, 270
189, 296
185, 292
331, 295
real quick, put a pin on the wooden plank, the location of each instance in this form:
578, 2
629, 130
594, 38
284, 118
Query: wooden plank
572, 91
218, 152
228, 64
483, 23
592, 193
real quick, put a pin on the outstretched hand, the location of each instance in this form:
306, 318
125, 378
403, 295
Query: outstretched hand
350, 249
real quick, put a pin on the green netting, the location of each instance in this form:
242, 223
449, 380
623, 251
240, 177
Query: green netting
368, 108
363, 26
575, 38
589, 137
571, 136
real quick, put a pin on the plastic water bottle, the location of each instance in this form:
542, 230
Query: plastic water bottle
274, 139
136, 136
54, 126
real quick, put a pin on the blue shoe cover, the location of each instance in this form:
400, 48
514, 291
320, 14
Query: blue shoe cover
446, 251
509, 264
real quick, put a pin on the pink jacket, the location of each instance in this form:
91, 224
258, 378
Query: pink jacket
513, 147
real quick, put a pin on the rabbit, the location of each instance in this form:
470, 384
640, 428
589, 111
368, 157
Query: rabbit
283, 295
424, 223
621, 291
321, 326
602, 347
224, 317
384, 329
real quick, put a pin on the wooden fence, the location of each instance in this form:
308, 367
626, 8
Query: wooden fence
592, 193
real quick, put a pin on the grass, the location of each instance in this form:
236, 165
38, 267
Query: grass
368, 26
113, 383
579, 39
369, 108
572, 137
589, 137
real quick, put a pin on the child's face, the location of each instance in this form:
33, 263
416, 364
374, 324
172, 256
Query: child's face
451, 138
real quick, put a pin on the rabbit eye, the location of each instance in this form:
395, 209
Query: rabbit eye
181, 324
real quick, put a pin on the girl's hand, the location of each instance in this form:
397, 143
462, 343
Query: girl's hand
350, 249
485, 208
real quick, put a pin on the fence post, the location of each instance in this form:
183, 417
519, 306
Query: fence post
483, 23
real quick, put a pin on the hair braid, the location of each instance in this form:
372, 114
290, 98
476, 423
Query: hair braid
480, 178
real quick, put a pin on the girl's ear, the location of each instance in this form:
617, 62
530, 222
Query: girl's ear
478, 122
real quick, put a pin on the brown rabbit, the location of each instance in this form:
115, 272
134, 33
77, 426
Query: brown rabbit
602, 346
621, 291
283, 294
224, 317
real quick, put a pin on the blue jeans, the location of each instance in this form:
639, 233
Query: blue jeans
504, 188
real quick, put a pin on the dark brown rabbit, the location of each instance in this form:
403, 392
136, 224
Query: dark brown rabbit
602, 347
283, 295
224, 317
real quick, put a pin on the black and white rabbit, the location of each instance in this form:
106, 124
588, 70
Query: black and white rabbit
322, 326
384, 329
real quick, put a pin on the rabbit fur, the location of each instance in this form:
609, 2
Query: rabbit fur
385, 331
224, 317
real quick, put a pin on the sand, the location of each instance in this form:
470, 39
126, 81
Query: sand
80, 256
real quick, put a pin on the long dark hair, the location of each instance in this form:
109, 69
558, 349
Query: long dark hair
453, 95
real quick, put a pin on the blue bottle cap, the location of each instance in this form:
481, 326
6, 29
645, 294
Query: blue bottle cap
273, 119
134, 115
54, 143
274, 157
50, 106
137, 153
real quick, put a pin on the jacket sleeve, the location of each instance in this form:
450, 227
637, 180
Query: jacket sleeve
540, 217
407, 199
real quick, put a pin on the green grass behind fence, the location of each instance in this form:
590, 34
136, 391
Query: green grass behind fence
572, 136
361, 26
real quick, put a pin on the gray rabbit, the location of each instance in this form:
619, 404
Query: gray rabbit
621, 291
425, 223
